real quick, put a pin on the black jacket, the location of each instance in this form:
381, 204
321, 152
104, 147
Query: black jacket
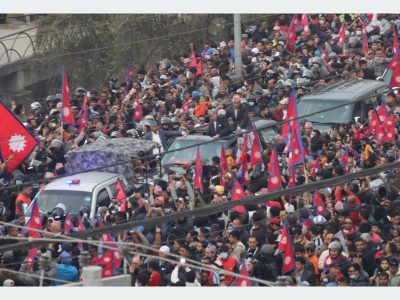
242, 120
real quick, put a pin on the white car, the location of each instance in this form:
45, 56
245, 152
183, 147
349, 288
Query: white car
91, 189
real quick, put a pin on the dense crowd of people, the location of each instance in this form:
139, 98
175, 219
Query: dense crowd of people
355, 242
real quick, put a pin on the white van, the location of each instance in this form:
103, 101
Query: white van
91, 189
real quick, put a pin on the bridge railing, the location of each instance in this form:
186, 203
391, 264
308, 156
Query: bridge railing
17, 45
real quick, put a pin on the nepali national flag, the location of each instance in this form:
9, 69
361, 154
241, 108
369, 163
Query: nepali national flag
306, 225
255, 157
106, 238
291, 40
295, 149
318, 203
68, 226
34, 224
193, 61
382, 112
388, 126
274, 178
223, 166
83, 118
81, 228
138, 114
364, 48
66, 116
243, 281
373, 123
284, 239
106, 262
198, 173
316, 167
342, 36
237, 194
120, 195
291, 116
243, 154
288, 253
16, 142
199, 66
304, 23
395, 40
395, 66
292, 177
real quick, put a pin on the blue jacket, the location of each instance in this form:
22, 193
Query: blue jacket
67, 273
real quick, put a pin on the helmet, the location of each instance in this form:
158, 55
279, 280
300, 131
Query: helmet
335, 246
35, 106
267, 250
80, 91
56, 144
311, 246
58, 212
166, 121
51, 98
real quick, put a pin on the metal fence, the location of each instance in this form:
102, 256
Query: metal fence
17, 45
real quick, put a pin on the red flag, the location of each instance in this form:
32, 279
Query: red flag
67, 116
291, 35
395, 79
193, 62
342, 35
199, 170
304, 23
343, 161
364, 48
16, 142
394, 62
316, 167
83, 119
243, 155
295, 155
185, 106
199, 66
138, 111
81, 228
245, 170
395, 40
290, 115
243, 281
237, 194
284, 239
306, 225
105, 261
34, 223
292, 178
324, 56
382, 112
318, 203
388, 126
120, 197
379, 131
373, 123
255, 157
106, 237
223, 166
288, 254
274, 178
68, 226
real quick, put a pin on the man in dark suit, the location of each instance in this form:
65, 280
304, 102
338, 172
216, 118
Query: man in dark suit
218, 126
302, 274
238, 113
160, 136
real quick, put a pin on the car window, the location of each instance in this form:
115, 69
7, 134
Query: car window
73, 200
103, 198
342, 114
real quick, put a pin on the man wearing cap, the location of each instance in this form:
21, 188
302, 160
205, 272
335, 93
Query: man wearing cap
65, 271
280, 111
394, 272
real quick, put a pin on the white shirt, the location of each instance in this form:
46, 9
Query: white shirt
156, 138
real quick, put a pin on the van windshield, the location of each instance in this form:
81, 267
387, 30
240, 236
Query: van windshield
73, 200
339, 115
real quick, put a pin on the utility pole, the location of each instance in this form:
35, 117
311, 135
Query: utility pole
238, 46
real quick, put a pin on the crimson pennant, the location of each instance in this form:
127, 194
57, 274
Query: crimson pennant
394, 62
388, 126
373, 123
16, 142
304, 23
83, 118
255, 157
291, 116
223, 166
199, 66
121, 196
199, 171
342, 36
68, 226
382, 112
295, 153
243, 281
193, 62
288, 254
237, 194
243, 155
284, 239
316, 167
138, 114
395, 79
117, 257
81, 228
291, 40
318, 203
292, 177
106, 262
274, 178
34, 224
67, 116
364, 48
